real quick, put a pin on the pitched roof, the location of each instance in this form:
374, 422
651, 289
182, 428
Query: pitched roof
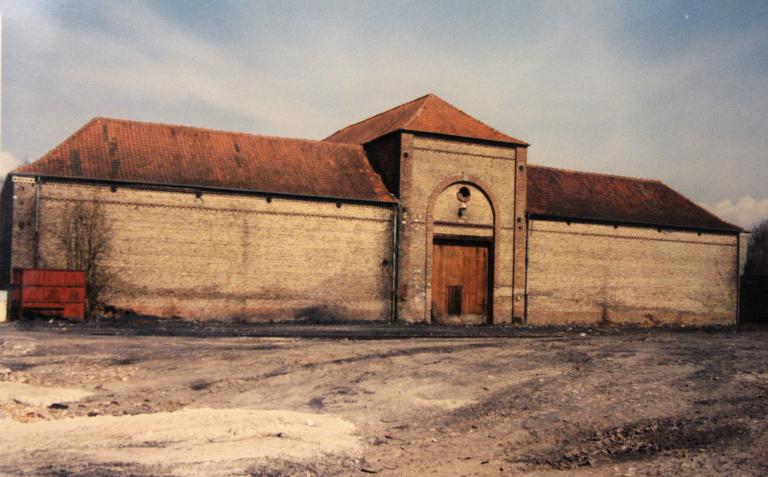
590, 196
179, 155
428, 114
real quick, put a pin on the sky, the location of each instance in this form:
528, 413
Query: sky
671, 90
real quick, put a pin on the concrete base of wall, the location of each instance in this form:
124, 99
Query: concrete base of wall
626, 317
224, 310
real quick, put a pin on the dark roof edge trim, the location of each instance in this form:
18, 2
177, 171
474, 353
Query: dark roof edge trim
451, 136
167, 187
682, 228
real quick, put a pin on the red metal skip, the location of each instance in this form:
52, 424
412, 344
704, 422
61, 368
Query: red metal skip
49, 292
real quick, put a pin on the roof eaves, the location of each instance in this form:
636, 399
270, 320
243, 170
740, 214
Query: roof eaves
631, 223
513, 139
390, 199
454, 136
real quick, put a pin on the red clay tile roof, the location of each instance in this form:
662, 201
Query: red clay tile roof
588, 196
180, 155
428, 114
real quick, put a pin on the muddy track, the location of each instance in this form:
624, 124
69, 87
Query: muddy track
641, 403
641, 440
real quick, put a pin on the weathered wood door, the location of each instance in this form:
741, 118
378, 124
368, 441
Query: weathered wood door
460, 281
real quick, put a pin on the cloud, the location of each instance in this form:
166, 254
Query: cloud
7, 163
744, 212
593, 86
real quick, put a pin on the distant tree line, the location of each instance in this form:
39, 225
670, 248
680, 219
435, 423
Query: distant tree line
757, 250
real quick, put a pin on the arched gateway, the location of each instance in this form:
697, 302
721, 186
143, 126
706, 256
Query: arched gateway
461, 237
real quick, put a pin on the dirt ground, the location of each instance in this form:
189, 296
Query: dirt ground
570, 402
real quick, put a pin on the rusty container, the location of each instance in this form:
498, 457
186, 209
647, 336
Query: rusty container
58, 293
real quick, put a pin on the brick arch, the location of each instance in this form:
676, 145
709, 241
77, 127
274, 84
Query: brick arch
441, 186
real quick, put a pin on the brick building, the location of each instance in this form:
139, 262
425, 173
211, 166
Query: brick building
421, 213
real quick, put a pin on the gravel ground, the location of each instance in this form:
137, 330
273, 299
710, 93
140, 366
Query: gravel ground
170, 398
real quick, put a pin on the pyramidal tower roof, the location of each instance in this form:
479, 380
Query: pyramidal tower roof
428, 114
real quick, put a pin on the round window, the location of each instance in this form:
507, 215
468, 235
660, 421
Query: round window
463, 194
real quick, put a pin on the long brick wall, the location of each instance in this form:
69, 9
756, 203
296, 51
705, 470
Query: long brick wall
585, 273
225, 256
221, 256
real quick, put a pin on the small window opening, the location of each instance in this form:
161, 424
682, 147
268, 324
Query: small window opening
454, 300
463, 194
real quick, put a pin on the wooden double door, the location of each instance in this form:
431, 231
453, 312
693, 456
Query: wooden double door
461, 281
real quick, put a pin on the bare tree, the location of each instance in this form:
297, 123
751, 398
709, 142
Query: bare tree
757, 250
85, 238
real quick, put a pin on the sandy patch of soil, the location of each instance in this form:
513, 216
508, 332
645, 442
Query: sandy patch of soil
176, 442
19, 346
33, 395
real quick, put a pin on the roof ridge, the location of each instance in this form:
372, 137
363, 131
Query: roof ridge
419, 110
380, 114
200, 128
461, 111
618, 176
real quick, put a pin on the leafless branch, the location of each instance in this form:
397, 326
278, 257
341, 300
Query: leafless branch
86, 241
